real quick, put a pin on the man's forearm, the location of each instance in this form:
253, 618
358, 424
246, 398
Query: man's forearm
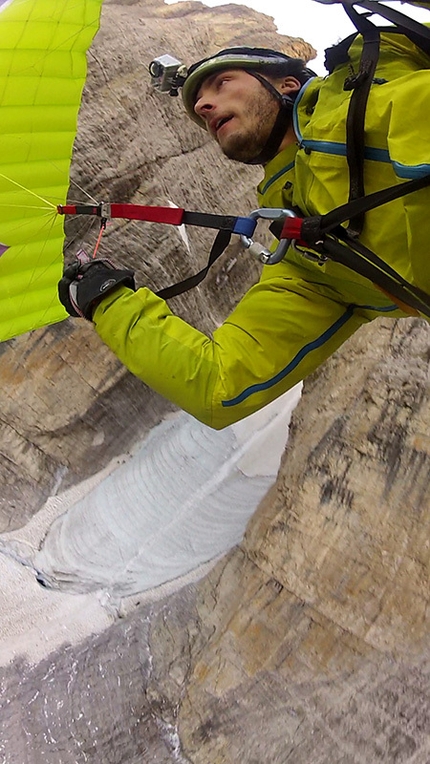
161, 349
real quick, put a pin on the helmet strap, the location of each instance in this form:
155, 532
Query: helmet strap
281, 124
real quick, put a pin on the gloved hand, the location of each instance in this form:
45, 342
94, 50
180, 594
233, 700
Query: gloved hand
86, 282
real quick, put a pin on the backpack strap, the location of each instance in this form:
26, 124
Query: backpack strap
338, 54
361, 82
417, 32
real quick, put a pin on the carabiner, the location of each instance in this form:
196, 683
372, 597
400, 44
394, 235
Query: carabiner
262, 253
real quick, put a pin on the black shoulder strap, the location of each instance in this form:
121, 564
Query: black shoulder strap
418, 33
339, 53
361, 82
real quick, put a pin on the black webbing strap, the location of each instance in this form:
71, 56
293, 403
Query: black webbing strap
341, 248
338, 54
326, 236
417, 32
315, 227
355, 255
364, 262
360, 83
208, 220
221, 242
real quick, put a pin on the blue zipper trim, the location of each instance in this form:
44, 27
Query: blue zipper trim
290, 166
339, 149
328, 334
386, 309
277, 175
299, 97
331, 147
410, 172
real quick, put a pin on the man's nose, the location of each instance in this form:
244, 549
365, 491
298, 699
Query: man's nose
203, 106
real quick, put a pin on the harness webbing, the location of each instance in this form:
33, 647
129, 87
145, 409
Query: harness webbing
364, 262
220, 244
418, 33
326, 236
317, 225
226, 225
171, 215
360, 85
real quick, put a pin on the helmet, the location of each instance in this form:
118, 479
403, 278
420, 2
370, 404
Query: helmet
253, 60
257, 62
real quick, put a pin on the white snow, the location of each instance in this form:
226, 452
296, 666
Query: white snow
184, 498
149, 523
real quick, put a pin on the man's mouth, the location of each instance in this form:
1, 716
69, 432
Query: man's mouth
217, 124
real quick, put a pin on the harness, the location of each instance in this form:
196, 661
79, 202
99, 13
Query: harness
324, 233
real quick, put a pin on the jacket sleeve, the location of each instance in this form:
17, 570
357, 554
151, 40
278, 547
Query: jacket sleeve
278, 333
166, 353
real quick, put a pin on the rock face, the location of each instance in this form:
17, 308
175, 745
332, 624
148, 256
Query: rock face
320, 620
309, 642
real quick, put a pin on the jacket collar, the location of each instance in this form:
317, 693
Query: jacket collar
277, 168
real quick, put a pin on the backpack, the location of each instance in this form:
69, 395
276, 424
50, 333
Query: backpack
325, 234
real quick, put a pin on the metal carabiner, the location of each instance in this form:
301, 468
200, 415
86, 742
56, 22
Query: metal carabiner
258, 250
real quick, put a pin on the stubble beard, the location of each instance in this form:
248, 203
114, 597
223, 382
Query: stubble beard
247, 143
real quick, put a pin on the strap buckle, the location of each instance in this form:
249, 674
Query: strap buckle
104, 210
263, 254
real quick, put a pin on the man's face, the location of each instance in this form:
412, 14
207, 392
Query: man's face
238, 111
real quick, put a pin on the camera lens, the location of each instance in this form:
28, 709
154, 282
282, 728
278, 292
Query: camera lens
155, 69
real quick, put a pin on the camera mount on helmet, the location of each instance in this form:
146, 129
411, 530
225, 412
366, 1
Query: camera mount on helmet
168, 74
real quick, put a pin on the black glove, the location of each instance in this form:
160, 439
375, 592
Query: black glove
84, 284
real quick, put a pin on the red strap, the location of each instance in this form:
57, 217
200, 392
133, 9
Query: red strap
292, 228
73, 209
172, 215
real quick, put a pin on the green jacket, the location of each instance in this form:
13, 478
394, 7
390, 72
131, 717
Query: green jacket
300, 312
397, 149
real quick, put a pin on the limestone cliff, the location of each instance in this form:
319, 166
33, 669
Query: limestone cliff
67, 405
309, 642
321, 619
306, 644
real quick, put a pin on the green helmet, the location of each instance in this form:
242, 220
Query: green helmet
253, 60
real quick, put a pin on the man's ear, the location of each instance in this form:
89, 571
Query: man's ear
289, 85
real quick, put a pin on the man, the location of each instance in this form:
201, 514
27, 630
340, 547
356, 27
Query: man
263, 107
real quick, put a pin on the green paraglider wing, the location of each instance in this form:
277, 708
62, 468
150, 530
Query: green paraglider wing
43, 46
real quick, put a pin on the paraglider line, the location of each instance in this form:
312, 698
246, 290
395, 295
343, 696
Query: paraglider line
99, 238
29, 191
29, 206
73, 182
